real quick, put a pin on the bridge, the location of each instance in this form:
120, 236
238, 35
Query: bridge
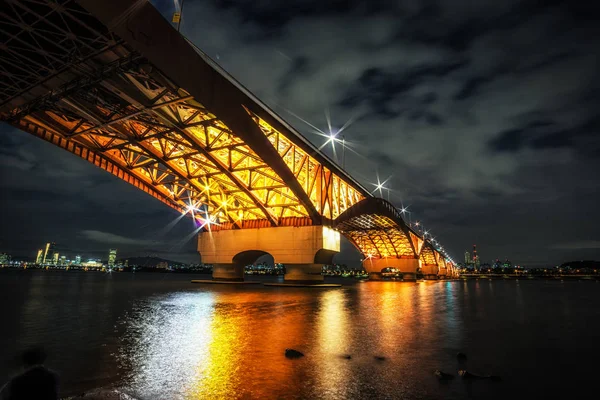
114, 83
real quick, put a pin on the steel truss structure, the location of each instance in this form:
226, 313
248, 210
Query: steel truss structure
377, 229
112, 82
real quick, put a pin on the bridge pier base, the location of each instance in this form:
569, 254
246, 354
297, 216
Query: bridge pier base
375, 276
443, 273
303, 273
407, 266
430, 271
228, 272
302, 250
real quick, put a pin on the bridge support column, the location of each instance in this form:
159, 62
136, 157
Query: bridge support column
407, 266
306, 273
302, 250
443, 273
430, 271
228, 272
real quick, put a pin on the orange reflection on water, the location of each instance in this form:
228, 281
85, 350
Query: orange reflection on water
245, 348
217, 373
333, 331
230, 344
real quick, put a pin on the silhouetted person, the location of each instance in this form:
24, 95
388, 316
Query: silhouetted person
36, 382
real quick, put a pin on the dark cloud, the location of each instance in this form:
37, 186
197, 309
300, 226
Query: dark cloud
482, 114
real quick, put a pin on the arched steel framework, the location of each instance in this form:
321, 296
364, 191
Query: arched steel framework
377, 229
114, 83
428, 254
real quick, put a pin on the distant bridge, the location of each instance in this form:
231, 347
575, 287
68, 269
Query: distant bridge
114, 83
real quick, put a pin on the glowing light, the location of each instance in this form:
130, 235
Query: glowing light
380, 186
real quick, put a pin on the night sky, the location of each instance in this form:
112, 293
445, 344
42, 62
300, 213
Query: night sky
483, 115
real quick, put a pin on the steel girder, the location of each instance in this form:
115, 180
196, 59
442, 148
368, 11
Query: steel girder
76, 83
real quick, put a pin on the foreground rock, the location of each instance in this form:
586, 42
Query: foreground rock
442, 375
468, 375
291, 353
102, 394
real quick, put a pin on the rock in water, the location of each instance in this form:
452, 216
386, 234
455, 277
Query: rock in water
467, 375
442, 375
291, 353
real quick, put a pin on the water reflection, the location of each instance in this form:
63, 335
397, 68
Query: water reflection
230, 343
161, 339
333, 339
165, 346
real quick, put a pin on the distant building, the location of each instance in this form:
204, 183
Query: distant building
55, 258
49, 252
467, 258
112, 256
63, 261
40, 256
77, 260
91, 264
162, 265
475, 261
4, 258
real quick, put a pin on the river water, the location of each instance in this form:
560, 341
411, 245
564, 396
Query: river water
157, 336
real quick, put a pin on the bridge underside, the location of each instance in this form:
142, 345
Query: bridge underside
112, 82
141, 102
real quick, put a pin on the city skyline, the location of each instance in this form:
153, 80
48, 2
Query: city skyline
420, 117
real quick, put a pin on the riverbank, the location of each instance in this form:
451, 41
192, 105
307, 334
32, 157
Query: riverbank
530, 277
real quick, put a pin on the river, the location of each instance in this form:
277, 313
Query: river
157, 336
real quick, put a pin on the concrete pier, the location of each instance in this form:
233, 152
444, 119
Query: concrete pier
407, 266
302, 250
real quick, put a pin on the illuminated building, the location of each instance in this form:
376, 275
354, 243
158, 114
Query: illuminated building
467, 258
55, 258
78, 260
63, 261
40, 256
91, 263
49, 252
112, 256
475, 259
162, 265
4, 258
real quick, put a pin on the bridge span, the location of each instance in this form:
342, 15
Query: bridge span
114, 83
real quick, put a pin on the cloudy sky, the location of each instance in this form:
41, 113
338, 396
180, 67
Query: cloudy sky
483, 115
